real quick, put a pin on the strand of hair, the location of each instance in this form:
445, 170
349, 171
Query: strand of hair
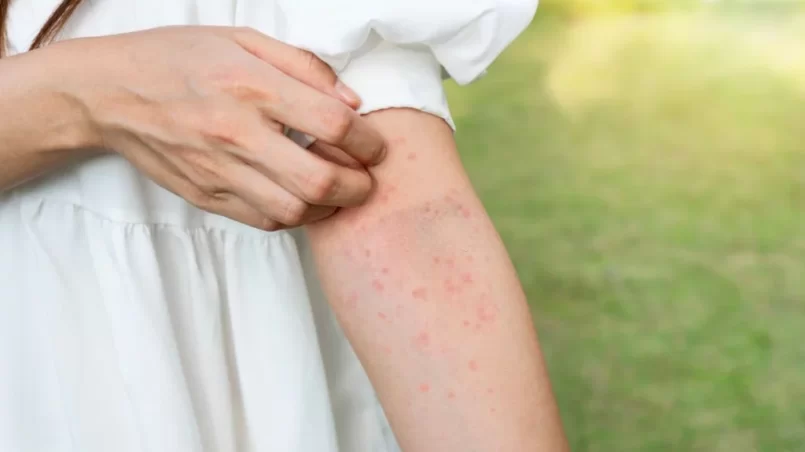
52, 26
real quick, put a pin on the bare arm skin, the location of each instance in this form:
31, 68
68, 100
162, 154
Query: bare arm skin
40, 129
426, 293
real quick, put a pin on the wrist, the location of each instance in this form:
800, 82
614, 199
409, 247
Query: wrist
48, 84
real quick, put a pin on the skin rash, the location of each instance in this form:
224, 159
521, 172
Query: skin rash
411, 299
425, 291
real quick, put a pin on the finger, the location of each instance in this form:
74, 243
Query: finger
297, 63
268, 197
231, 206
304, 109
318, 213
298, 171
333, 154
167, 176
304, 174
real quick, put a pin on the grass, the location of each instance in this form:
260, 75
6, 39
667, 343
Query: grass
648, 177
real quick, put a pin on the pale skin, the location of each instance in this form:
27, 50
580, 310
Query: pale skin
409, 260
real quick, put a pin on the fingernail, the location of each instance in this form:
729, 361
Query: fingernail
381, 155
347, 94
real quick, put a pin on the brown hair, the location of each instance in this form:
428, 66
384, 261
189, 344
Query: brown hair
52, 26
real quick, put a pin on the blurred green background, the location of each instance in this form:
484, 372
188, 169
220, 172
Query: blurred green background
644, 163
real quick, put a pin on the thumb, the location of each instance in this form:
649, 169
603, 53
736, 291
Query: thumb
297, 63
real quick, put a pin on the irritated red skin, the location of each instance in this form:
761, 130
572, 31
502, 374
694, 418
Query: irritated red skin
455, 278
420, 293
425, 224
457, 274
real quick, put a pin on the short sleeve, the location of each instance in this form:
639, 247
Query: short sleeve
393, 53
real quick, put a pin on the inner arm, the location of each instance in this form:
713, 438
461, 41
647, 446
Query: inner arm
425, 291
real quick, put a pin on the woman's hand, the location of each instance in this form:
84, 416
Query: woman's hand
202, 110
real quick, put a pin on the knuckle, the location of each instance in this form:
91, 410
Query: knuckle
314, 64
270, 225
293, 212
238, 80
202, 162
320, 185
221, 126
228, 76
200, 198
338, 121
308, 59
205, 171
209, 187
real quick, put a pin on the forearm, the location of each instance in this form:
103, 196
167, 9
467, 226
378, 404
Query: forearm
427, 295
41, 127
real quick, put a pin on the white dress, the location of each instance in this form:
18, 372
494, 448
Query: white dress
133, 322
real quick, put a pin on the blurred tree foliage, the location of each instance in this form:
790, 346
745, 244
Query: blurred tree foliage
580, 8
575, 8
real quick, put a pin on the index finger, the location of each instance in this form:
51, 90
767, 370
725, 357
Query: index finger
307, 110
298, 63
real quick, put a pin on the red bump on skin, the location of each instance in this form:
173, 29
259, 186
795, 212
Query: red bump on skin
422, 339
467, 278
466, 323
381, 315
436, 260
424, 387
420, 293
367, 253
451, 395
412, 156
492, 410
385, 270
378, 286
386, 349
486, 313
427, 208
449, 286
490, 391
465, 212
473, 365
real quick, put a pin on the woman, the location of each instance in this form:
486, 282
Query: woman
155, 296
